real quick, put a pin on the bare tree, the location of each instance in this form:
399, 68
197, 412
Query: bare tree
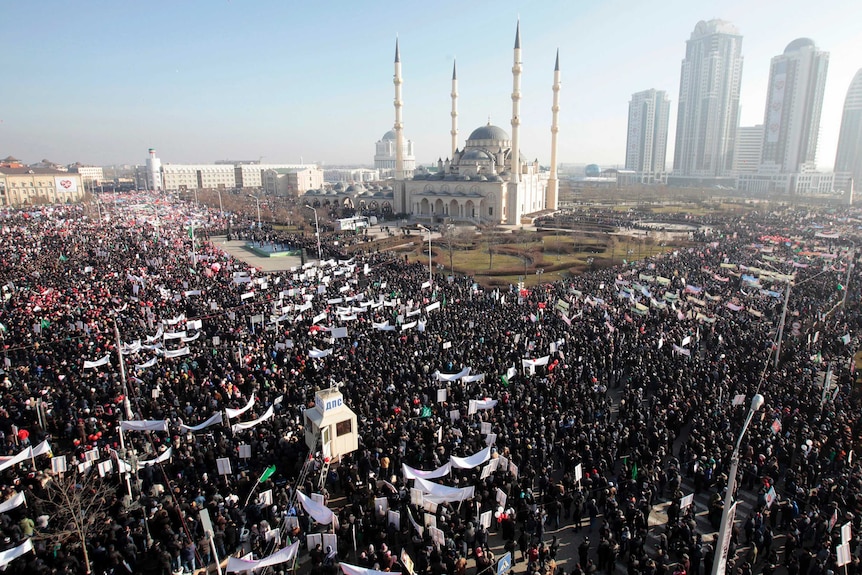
77, 504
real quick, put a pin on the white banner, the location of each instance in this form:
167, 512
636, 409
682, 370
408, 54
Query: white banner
12, 502
411, 473
249, 424
65, 185
98, 362
145, 425
317, 354
147, 364
472, 461
235, 565
177, 352
231, 413
214, 420
163, 457
318, 512
9, 555
453, 376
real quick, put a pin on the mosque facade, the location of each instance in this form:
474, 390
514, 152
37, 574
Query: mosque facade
486, 181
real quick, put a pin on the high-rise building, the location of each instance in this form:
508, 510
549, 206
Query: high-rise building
793, 102
848, 159
646, 143
708, 112
749, 149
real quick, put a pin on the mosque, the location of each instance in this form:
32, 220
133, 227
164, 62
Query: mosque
486, 181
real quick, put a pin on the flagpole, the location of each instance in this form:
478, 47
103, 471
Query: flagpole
126, 405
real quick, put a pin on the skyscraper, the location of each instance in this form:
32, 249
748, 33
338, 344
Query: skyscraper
848, 159
708, 112
793, 103
646, 143
749, 149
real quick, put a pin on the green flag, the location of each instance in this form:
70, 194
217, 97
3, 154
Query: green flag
504, 379
426, 411
267, 473
3, 327
63, 258
634, 471
44, 323
192, 231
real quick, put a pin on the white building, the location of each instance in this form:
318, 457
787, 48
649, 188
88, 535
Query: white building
808, 183
350, 175
153, 173
90, 175
291, 182
385, 156
749, 149
250, 175
487, 180
646, 141
793, 103
198, 176
708, 112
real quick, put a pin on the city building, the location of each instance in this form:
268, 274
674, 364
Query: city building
486, 181
385, 156
291, 182
794, 99
350, 175
708, 111
749, 149
646, 141
91, 176
181, 177
848, 158
791, 126
249, 175
23, 186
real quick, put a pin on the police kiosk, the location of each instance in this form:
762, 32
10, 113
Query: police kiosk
334, 422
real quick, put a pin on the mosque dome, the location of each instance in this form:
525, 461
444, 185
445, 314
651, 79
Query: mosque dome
390, 135
592, 171
489, 132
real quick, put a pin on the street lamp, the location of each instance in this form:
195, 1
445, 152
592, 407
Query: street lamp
256, 199
722, 544
430, 273
317, 231
220, 207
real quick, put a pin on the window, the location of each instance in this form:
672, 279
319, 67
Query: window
490, 211
343, 427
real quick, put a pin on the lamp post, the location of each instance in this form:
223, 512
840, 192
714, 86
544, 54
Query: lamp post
257, 200
430, 273
722, 544
317, 231
220, 207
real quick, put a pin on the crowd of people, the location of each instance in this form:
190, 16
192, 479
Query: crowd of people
613, 395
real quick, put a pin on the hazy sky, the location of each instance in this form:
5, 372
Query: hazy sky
100, 82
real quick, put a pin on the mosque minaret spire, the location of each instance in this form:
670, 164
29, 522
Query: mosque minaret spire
553, 184
454, 131
516, 107
399, 126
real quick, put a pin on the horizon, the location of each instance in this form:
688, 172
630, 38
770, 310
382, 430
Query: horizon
319, 88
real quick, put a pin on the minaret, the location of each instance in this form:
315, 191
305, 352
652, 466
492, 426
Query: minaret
516, 107
553, 184
454, 113
399, 127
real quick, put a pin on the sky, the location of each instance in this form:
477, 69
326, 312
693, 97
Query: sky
99, 82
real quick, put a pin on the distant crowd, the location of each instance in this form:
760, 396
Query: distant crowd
636, 383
